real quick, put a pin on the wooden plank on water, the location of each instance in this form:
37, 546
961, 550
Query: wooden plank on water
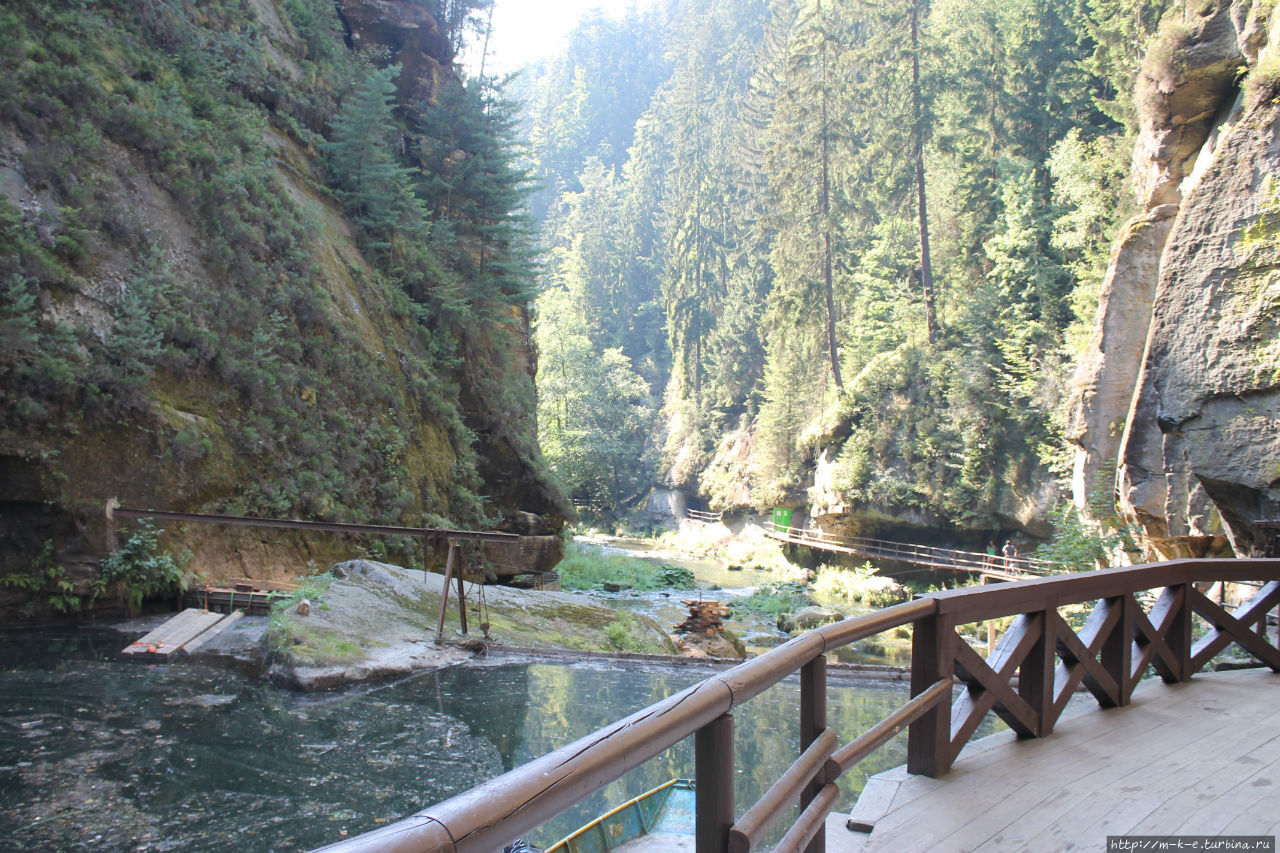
230, 619
169, 639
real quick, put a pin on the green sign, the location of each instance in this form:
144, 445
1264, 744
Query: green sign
781, 518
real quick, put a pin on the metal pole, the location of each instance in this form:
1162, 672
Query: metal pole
462, 595
444, 590
713, 764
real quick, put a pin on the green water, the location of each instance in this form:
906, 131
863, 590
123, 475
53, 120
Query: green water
100, 754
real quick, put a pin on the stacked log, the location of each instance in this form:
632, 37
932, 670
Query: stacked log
705, 617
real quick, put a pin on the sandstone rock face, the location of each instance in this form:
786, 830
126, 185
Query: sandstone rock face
1109, 370
1181, 385
412, 35
1202, 450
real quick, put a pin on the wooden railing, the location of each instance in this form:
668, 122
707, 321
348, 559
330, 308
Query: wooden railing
991, 565
704, 517
1049, 659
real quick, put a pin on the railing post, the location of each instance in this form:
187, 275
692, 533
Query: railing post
1117, 652
1173, 611
713, 764
932, 659
1037, 671
813, 721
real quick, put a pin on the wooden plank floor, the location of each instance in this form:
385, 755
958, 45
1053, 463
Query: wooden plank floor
1201, 758
169, 639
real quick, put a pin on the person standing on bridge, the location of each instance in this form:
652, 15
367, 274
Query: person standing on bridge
1009, 551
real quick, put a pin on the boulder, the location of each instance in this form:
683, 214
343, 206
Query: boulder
807, 618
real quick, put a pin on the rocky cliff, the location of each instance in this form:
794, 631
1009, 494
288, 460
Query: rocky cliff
1178, 398
192, 319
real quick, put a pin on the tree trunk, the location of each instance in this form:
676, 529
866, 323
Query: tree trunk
926, 265
828, 287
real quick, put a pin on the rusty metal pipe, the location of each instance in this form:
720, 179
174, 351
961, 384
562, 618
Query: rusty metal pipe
324, 526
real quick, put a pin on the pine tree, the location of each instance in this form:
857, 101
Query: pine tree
374, 186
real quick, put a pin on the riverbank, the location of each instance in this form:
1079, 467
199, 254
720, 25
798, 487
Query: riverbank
366, 621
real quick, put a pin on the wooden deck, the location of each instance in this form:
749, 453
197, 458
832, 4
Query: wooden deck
1197, 758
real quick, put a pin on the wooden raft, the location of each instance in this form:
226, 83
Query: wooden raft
181, 635
705, 617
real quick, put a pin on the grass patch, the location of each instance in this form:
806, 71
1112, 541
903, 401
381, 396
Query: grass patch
775, 599
588, 567
291, 638
860, 584
628, 633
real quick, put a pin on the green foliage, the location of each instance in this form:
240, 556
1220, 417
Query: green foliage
775, 599
374, 186
587, 567
775, 170
860, 584
628, 633
139, 570
676, 577
197, 109
46, 585
1080, 545
593, 409
289, 637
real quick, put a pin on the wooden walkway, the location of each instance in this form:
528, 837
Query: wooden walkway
992, 566
1197, 758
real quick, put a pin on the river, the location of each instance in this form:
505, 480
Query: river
716, 581
103, 754
107, 755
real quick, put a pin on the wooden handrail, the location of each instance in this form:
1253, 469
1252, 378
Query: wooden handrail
1108, 656
748, 829
928, 555
490, 815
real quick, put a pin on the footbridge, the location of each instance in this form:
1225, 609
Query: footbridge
996, 567
1153, 617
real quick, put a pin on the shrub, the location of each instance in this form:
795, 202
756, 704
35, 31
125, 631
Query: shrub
775, 599
139, 570
860, 584
48, 581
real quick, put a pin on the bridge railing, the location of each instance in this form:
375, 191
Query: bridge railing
941, 558
1048, 658
705, 517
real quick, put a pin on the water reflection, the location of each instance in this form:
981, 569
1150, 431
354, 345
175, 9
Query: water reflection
106, 755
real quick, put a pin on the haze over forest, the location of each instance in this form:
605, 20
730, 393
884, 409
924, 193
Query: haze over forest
868, 236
